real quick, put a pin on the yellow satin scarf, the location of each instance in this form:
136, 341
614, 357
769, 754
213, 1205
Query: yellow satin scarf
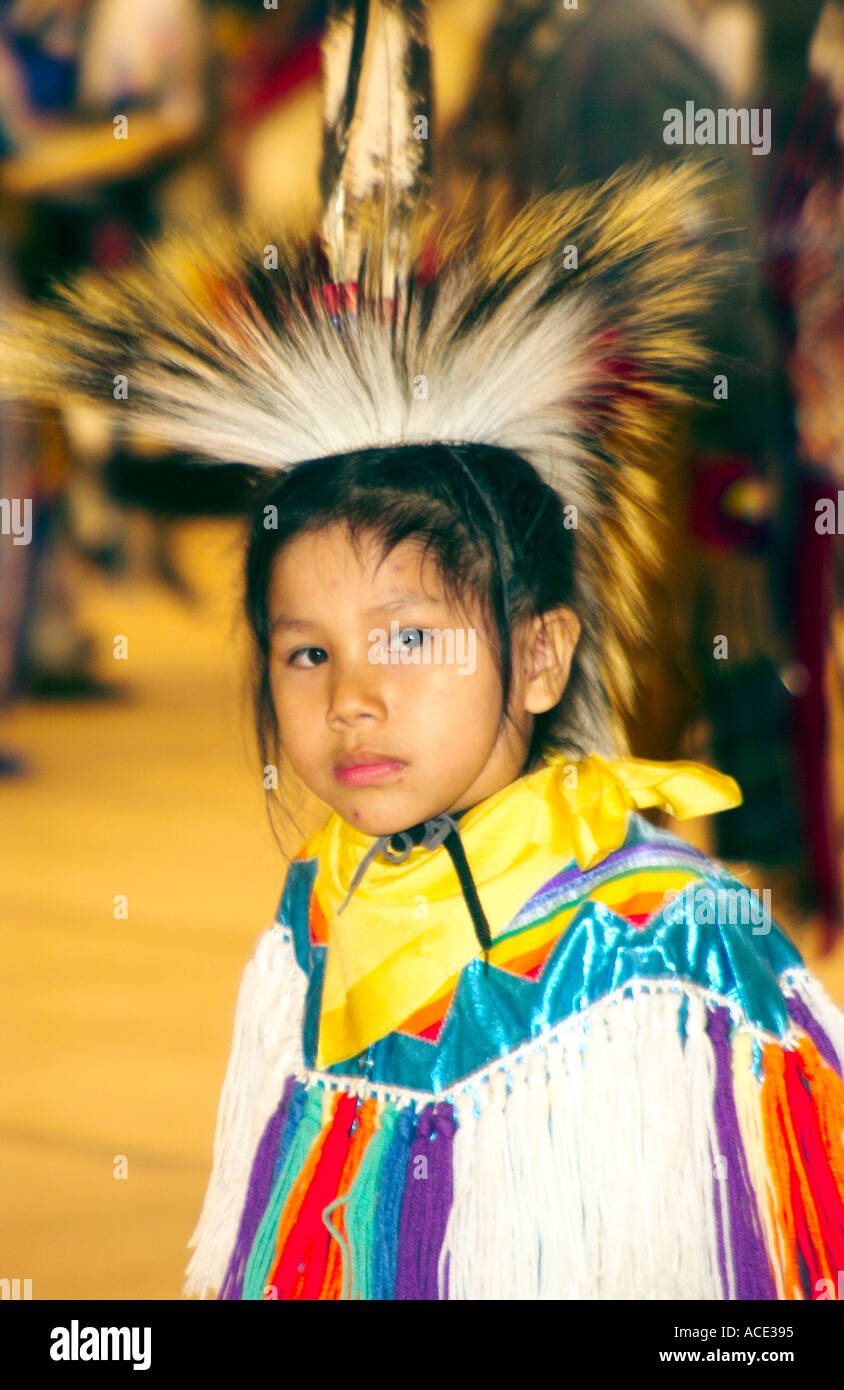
406, 931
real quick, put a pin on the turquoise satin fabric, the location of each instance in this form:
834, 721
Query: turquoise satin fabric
492, 1013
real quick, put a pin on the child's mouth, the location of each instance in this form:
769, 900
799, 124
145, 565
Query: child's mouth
362, 774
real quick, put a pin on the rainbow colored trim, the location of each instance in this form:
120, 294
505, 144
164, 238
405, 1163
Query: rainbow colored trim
350, 1192
612, 1008
336, 1206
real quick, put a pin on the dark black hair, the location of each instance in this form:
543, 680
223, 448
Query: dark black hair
495, 529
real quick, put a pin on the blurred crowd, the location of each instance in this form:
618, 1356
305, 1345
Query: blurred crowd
221, 95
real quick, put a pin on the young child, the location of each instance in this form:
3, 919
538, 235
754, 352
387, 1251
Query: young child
532, 1046
615, 1106
506, 1039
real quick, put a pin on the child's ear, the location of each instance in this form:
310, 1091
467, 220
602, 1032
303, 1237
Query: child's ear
548, 651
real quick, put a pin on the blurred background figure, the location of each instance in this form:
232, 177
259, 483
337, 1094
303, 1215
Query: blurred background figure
102, 105
804, 255
569, 95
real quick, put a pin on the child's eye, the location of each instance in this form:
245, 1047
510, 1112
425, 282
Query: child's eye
306, 651
416, 636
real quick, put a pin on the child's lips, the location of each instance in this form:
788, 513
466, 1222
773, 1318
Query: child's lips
362, 768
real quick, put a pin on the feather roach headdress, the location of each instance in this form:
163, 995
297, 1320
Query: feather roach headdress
565, 336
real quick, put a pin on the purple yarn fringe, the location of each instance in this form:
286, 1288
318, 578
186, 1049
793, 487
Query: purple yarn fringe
257, 1196
426, 1203
805, 1019
751, 1270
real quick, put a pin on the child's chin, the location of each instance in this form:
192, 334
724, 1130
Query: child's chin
387, 817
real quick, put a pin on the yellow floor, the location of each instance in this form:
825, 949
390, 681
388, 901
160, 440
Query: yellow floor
116, 1032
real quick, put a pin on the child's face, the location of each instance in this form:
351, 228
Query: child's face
428, 730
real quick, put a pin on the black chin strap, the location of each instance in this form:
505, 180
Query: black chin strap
440, 830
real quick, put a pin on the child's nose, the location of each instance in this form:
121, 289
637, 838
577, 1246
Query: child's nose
355, 692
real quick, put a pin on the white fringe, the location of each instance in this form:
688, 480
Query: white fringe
266, 1048
586, 1162
806, 985
594, 1177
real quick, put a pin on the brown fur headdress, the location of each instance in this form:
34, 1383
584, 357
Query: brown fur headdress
566, 336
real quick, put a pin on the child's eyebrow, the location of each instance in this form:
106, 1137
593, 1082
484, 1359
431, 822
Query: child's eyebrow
407, 595
283, 621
